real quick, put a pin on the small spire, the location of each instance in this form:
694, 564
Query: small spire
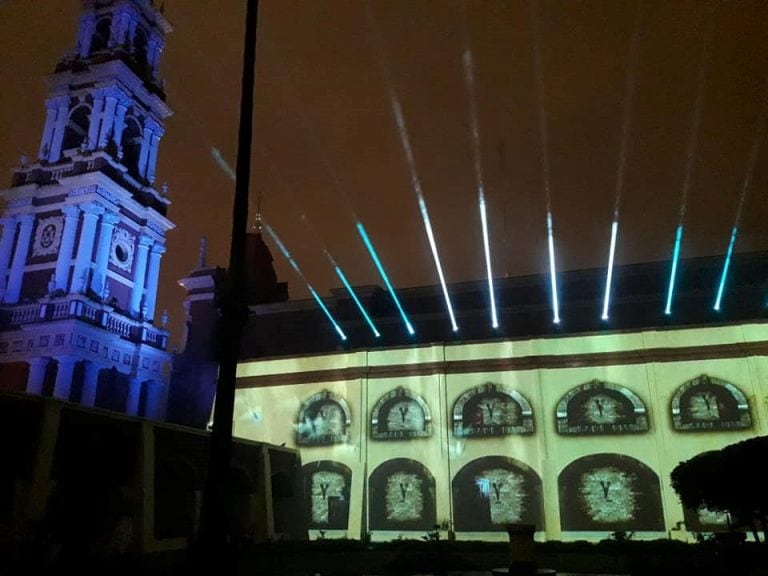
203, 252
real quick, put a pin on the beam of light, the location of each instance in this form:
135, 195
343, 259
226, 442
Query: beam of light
298, 271
360, 307
484, 220
469, 80
609, 275
405, 141
553, 271
673, 273
216, 153
383, 274
726, 266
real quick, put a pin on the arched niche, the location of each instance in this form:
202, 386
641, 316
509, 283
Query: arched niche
130, 146
139, 49
598, 407
493, 491
491, 410
706, 404
324, 419
401, 496
76, 131
401, 415
609, 492
327, 486
101, 35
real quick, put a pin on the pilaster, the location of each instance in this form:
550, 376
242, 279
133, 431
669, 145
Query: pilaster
64, 260
91, 214
63, 385
134, 395
90, 383
153, 277
36, 376
139, 274
13, 291
6, 248
107, 228
108, 119
97, 113
60, 125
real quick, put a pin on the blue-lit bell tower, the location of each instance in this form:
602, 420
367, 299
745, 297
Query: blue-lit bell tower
84, 225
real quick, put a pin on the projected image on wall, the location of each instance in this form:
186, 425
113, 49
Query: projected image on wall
326, 491
601, 408
609, 492
706, 404
706, 520
491, 410
401, 496
323, 419
493, 491
400, 415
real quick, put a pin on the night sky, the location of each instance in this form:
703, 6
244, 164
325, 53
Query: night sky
326, 143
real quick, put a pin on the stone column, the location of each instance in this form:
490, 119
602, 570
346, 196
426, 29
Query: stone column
85, 246
60, 126
117, 133
155, 408
99, 278
50, 124
139, 274
134, 396
152, 159
144, 152
97, 113
155, 50
36, 377
85, 34
64, 260
108, 120
90, 383
6, 248
16, 275
153, 276
64, 373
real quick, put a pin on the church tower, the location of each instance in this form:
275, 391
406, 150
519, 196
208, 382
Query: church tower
84, 225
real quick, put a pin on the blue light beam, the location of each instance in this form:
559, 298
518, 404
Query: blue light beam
673, 273
360, 307
553, 271
486, 245
726, 266
609, 276
298, 271
383, 274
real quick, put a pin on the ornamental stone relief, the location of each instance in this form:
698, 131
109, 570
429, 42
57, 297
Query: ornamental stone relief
121, 253
48, 236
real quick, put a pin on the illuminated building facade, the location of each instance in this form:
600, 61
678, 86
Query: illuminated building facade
574, 427
84, 225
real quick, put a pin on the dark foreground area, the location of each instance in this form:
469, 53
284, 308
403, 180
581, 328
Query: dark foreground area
353, 558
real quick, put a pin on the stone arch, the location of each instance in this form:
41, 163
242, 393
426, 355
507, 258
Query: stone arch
400, 415
706, 403
598, 407
140, 49
401, 496
492, 491
609, 492
492, 410
101, 34
130, 145
327, 486
324, 419
76, 131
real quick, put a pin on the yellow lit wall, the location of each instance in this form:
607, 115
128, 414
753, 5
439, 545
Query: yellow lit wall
584, 495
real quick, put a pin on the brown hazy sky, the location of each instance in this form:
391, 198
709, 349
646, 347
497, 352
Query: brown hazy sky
323, 115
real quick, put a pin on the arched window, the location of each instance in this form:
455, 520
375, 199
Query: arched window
131, 145
401, 496
77, 128
140, 49
706, 404
101, 36
609, 492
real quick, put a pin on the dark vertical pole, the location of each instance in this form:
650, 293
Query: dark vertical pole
214, 516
